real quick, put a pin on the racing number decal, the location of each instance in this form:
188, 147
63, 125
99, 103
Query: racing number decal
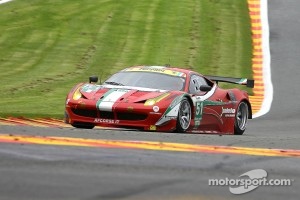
199, 108
198, 114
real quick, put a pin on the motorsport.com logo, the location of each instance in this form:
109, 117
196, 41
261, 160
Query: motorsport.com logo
242, 185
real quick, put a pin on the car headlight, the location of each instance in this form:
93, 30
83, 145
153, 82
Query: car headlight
77, 94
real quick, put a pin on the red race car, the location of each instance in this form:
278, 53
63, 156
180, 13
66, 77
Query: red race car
159, 98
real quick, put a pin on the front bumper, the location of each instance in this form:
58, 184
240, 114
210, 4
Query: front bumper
139, 117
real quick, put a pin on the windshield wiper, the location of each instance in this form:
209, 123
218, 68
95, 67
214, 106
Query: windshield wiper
113, 83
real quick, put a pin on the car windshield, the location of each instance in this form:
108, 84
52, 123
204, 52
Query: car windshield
148, 80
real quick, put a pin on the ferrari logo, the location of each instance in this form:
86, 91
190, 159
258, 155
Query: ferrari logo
130, 109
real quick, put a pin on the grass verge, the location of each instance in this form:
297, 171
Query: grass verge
47, 46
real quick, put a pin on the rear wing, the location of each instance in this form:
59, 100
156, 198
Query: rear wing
240, 81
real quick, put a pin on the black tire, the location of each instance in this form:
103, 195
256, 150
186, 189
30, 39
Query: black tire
241, 117
184, 116
83, 125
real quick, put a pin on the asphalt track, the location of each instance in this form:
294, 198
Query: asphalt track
36, 171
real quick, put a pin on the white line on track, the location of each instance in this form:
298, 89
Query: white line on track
4, 1
268, 93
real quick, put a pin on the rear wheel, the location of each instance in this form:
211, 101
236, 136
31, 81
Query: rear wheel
241, 118
83, 125
184, 116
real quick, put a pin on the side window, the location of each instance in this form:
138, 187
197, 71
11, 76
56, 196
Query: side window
195, 83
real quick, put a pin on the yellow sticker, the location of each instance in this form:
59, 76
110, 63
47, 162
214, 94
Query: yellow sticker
152, 128
157, 69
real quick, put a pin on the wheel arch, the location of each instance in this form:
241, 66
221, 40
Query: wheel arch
235, 95
249, 107
189, 98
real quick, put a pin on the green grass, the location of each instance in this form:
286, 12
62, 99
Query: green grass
47, 46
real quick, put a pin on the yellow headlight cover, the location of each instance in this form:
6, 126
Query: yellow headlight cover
77, 94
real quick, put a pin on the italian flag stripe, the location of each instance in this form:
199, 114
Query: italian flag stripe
106, 102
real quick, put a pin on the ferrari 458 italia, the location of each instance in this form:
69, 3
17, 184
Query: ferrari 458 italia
159, 98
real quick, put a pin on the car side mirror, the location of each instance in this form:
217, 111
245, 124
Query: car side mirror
93, 79
205, 88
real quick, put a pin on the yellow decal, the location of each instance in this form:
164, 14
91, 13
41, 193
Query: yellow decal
151, 102
157, 69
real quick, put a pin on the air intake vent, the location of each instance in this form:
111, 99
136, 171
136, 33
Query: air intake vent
85, 113
106, 115
131, 116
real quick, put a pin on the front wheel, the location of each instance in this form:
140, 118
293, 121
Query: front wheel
184, 116
241, 118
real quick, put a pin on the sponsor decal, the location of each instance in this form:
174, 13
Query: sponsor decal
154, 113
229, 115
203, 131
171, 117
158, 69
152, 128
106, 121
229, 112
155, 109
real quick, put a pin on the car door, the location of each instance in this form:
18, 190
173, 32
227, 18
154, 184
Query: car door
207, 108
